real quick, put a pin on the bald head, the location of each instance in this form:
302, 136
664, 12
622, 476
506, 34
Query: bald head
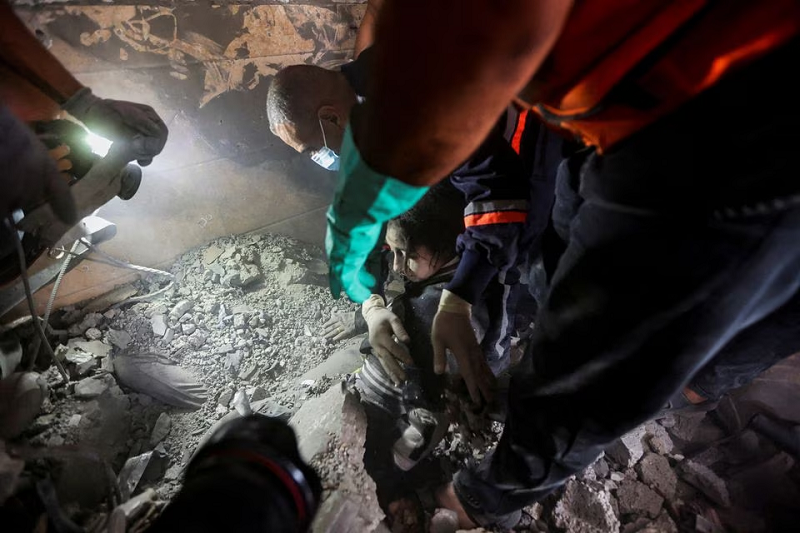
303, 96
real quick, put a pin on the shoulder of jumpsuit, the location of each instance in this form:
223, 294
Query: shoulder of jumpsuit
357, 72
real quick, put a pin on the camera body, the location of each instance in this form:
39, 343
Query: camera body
248, 478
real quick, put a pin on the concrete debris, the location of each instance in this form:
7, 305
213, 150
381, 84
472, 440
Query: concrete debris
93, 387
706, 481
636, 498
93, 334
331, 430
92, 320
684, 425
259, 393
248, 372
181, 308
225, 398
153, 375
131, 473
601, 468
211, 254
74, 421
77, 358
627, 450
169, 335
583, 509
120, 339
658, 438
655, 471
188, 328
96, 348
233, 361
160, 429
159, 323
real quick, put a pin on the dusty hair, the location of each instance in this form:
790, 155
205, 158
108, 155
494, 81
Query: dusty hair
435, 222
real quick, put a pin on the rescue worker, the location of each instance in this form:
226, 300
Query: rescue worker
507, 183
688, 233
35, 86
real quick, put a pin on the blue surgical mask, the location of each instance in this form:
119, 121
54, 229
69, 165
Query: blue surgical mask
325, 157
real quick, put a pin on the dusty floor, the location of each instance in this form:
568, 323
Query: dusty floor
245, 314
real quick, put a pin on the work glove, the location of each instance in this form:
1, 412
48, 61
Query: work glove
136, 125
452, 330
340, 326
387, 337
28, 174
364, 200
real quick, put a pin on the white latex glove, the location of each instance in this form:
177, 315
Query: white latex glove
138, 125
340, 326
387, 337
452, 330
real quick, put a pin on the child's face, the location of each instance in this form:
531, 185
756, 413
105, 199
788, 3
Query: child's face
417, 264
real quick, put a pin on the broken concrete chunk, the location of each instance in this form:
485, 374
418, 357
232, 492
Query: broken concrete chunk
78, 358
188, 329
706, 481
582, 509
92, 320
658, 438
93, 334
119, 338
211, 254
627, 450
74, 421
197, 339
258, 394
655, 471
331, 430
248, 372
238, 321
160, 429
169, 335
181, 308
225, 398
131, 473
159, 323
232, 279
153, 375
249, 275
95, 348
89, 388
636, 497
233, 361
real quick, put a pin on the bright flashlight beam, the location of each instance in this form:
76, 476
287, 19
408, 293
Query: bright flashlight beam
99, 145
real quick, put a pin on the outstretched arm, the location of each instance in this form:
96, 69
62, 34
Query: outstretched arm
444, 84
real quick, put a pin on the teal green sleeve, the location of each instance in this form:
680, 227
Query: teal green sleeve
364, 200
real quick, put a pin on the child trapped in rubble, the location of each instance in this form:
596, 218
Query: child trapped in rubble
406, 418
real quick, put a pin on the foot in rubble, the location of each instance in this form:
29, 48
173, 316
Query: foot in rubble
405, 516
446, 499
424, 431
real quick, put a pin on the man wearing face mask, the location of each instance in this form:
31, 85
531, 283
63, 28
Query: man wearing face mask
308, 108
505, 184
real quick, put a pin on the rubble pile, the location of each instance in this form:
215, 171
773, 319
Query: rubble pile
150, 379
238, 329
